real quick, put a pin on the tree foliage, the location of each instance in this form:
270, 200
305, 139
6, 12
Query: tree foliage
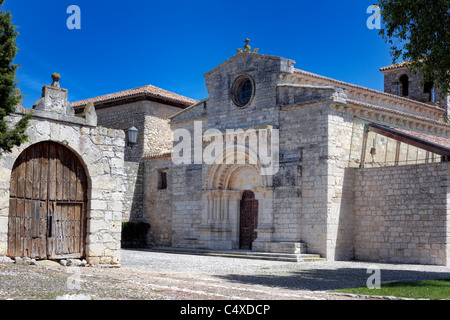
9, 95
419, 32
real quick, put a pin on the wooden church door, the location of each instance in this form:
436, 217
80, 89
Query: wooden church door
248, 220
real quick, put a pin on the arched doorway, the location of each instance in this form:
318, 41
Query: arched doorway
48, 202
248, 221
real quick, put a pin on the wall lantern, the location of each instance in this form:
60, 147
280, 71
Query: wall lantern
132, 134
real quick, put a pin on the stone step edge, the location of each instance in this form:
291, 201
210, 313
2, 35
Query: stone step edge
303, 257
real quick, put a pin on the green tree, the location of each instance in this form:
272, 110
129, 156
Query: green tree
419, 32
9, 95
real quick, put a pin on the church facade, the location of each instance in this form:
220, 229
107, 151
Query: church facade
361, 174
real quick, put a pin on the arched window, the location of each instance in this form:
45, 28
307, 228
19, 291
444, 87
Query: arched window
403, 86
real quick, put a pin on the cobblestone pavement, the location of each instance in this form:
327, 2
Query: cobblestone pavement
162, 276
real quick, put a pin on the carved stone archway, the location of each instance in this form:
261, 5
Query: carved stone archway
222, 194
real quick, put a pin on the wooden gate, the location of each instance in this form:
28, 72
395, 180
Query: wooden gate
248, 220
47, 207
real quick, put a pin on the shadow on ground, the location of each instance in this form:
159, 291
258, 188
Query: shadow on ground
326, 279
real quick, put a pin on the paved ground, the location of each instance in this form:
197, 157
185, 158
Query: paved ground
162, 276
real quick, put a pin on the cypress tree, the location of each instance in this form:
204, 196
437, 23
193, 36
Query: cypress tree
9, 94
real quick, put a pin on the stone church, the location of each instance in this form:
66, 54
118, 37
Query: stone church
277, 159
362, 174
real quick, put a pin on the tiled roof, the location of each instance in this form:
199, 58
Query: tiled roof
403, 114
159, 155
395, 66
445, 142
357, 87
147, 90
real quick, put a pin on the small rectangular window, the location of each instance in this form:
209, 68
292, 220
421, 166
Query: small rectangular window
162, 180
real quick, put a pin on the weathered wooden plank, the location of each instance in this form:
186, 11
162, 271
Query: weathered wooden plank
65, 176
59, 173
50, 243
29, 173
77, 228
21, 170
71, 228
82, 233
73, 178
27, 232
12, 228
52, 172
13, 182
36, 181
409, 139
20, 227
44, 171
42, 240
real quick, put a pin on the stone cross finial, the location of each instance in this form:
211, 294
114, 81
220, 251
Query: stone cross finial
56, 77
247, 48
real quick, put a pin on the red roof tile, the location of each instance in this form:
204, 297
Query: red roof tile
395, 66
445, 142
149, 90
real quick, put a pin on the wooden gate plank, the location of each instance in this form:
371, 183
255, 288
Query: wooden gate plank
11, 227
52, 172
44, 171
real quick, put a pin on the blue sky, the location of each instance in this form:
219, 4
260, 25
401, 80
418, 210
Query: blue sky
171, 44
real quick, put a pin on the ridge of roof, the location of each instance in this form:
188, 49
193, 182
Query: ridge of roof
143, 90
392, 96
401, 113
188, 108
395, 66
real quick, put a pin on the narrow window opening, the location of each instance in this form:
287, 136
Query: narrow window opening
403, 86
162, 180
429, 89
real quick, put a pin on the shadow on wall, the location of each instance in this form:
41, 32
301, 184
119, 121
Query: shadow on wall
134, 234
346, 223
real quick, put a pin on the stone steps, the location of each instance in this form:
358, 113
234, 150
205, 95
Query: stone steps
243, 254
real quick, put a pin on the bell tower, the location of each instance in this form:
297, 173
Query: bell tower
400, 81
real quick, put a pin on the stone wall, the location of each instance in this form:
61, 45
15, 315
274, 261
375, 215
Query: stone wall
157, 201
300, 204
134, 195
401, 214
101, 152
154, 137
340, 198
151, 120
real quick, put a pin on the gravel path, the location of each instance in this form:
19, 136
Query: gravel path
162, 276
323, 275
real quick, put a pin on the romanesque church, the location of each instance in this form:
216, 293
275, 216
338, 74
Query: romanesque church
358, 174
